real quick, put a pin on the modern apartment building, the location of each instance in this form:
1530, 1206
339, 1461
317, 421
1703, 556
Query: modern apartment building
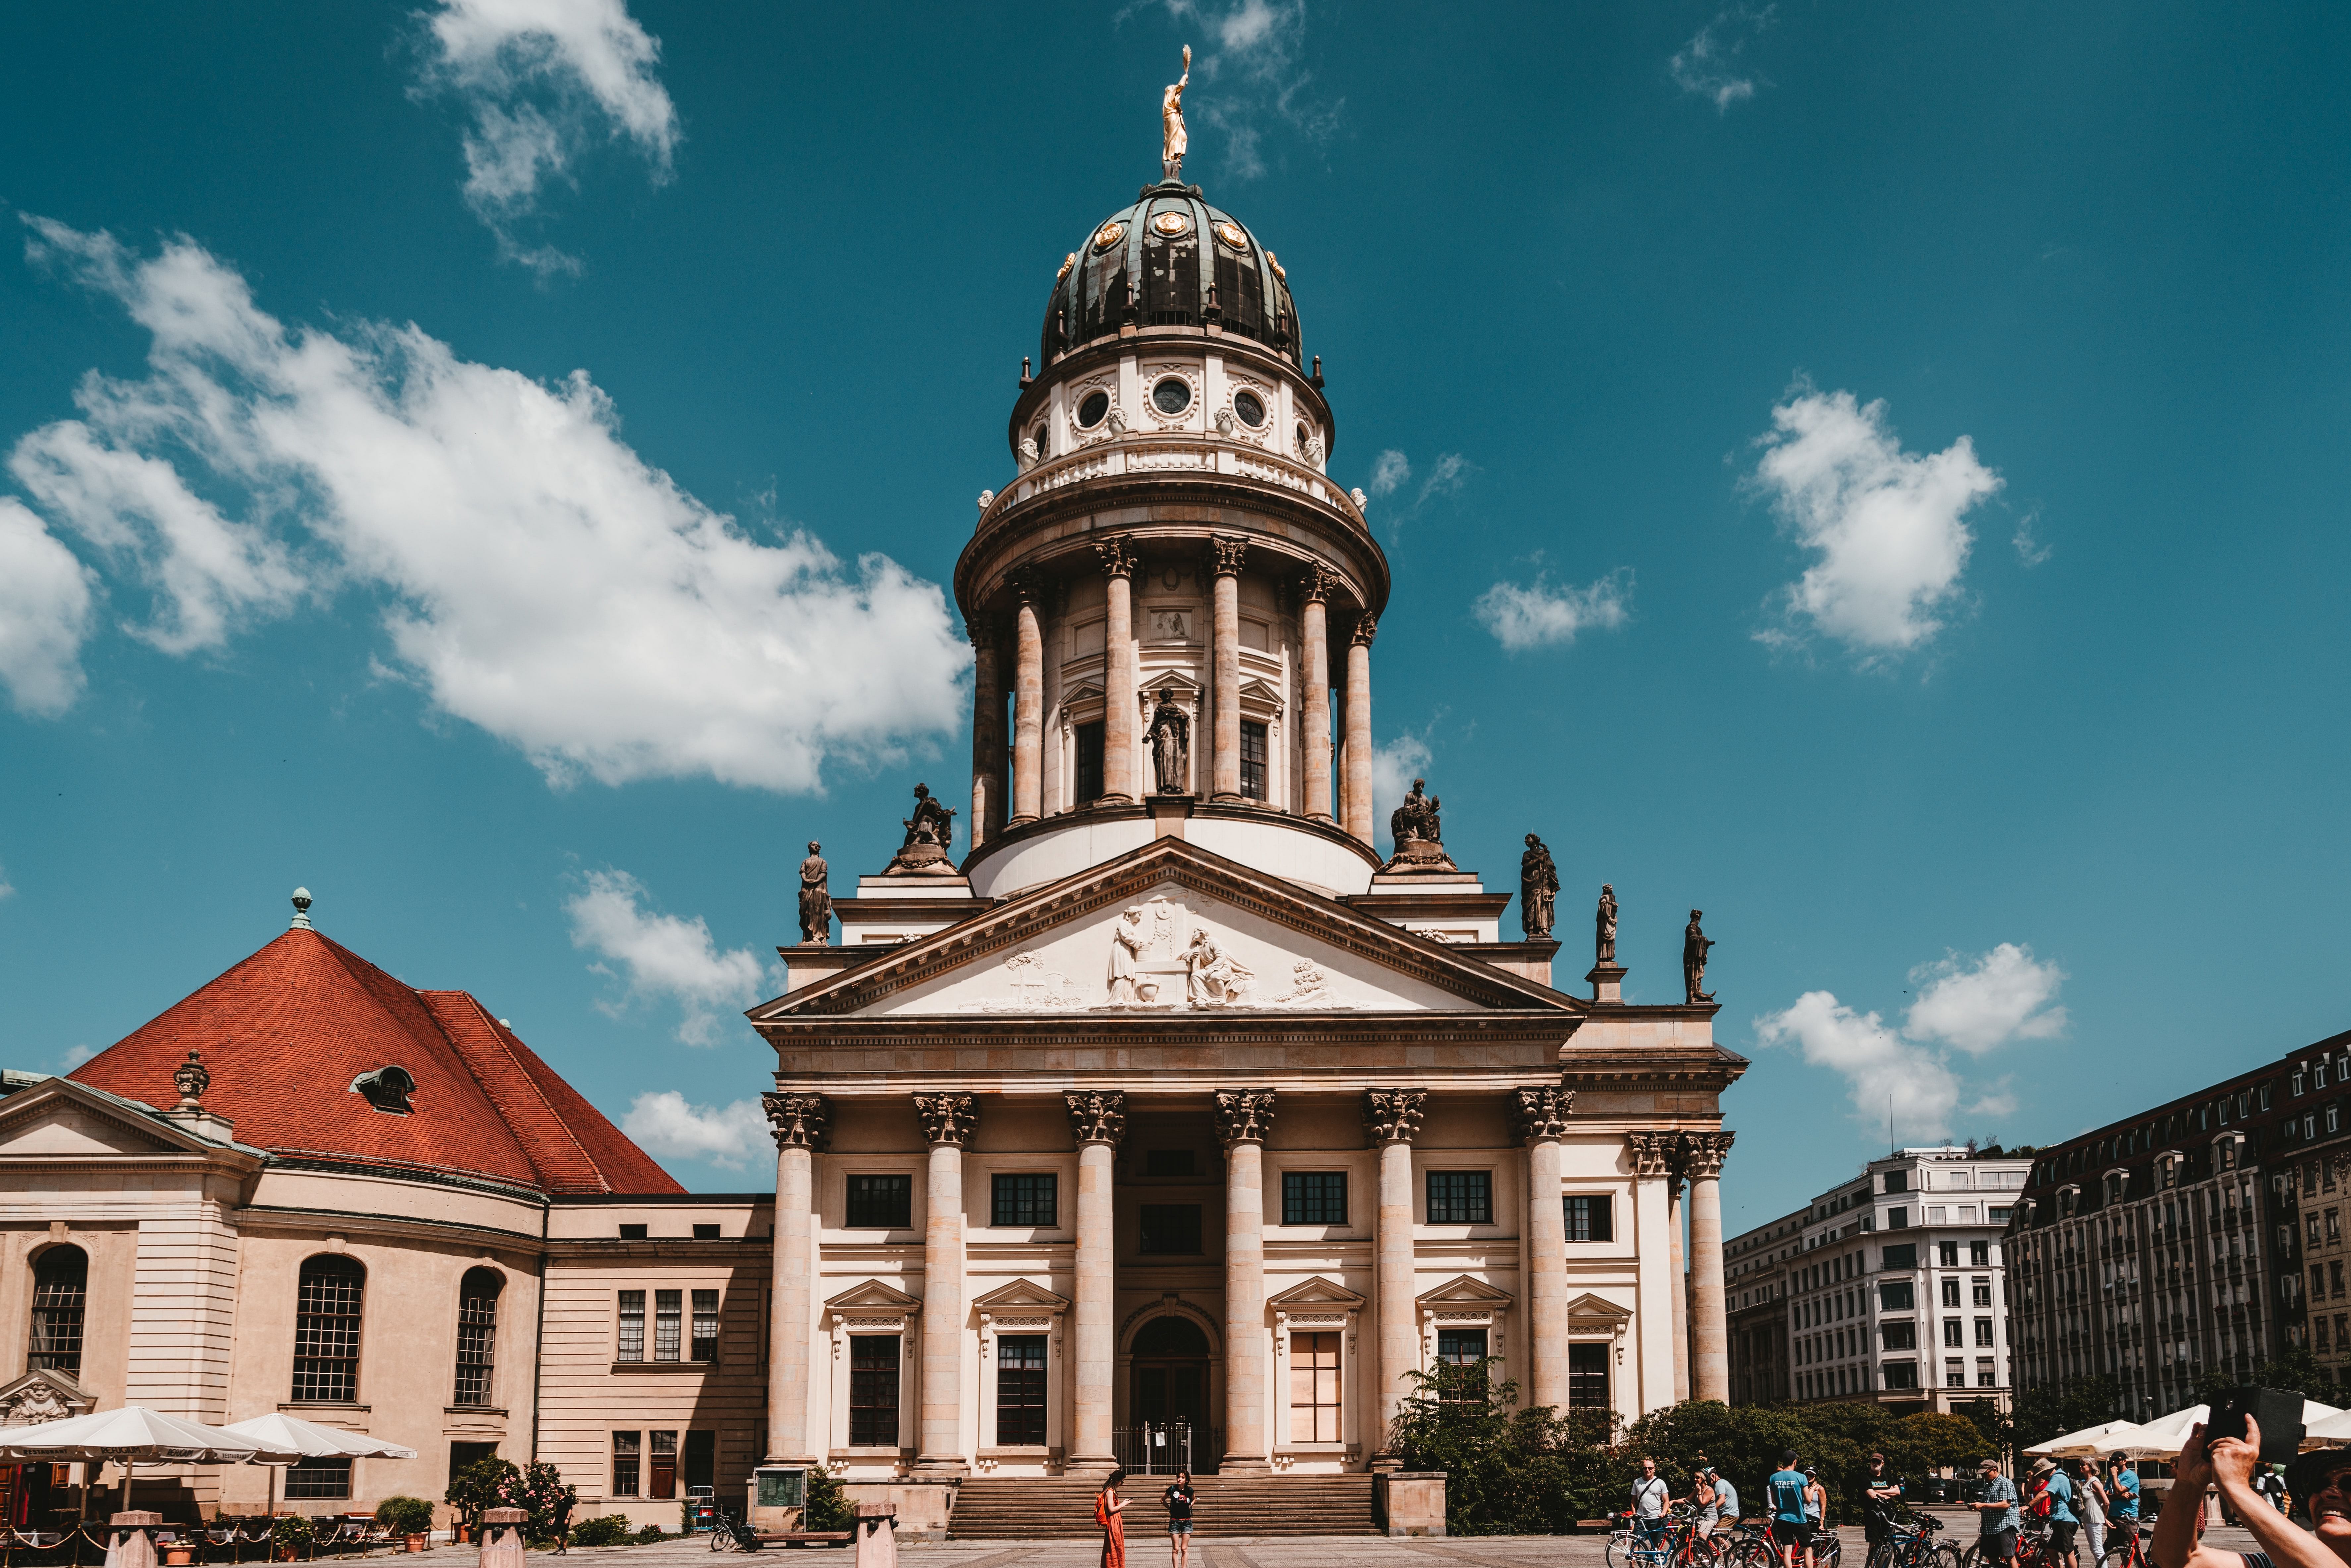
1888, 1287
2175, 1241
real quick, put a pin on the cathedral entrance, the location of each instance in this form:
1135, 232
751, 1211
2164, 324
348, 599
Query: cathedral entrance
1168, 1401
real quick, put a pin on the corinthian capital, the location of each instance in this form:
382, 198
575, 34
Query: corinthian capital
1117, 560
1703, 1154
798, 1121
1539, 1114
1227, 555
1652, 1152
1244, 1116
1317, 584
948, 1118
1367, 626
1393, 1115
1028, 588
1097, 1116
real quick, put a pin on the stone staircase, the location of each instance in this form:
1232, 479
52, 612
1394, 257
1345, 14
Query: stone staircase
1034, 1507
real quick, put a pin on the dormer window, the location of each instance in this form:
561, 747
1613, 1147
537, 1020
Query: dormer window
387, 1089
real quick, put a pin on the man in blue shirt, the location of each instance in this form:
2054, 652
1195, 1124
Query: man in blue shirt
1792, 1526
1997, 1509
2063, 1522
2123, 1490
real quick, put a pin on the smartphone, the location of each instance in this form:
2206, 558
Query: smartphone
2278, 1411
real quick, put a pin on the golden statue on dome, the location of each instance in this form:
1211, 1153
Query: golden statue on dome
1172, 141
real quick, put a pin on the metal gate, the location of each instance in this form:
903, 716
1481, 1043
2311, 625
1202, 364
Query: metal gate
1153, 1449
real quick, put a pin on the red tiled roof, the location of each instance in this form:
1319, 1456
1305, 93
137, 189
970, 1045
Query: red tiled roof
286, 1031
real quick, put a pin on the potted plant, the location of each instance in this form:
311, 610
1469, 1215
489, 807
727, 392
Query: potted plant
289, 1533
408, 1517
179, 1550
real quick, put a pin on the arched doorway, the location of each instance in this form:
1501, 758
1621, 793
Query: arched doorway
1170, 1381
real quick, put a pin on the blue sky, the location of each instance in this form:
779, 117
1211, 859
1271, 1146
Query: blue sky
1876, 473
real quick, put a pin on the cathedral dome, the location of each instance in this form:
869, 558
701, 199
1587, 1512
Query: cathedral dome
1155, 248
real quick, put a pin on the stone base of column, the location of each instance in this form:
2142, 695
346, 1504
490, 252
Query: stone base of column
1386, 1464
1092, 1467
1244, 1465
1232, 797
951, 1465
1018, 822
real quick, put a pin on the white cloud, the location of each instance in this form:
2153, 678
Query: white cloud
7, 889
1538, 615
539, 579
1887, 524
1389, 469
1973, 1006
1451, 472
2028, 548
662, 957
45, 604
74, 1056
543, 79
1980, 1006
1250, 72
666, 1126
1709, 64
1394, 767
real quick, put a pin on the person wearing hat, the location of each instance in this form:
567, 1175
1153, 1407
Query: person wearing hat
2229, 1462
2063, 1521
1997, 1516
2122, 1486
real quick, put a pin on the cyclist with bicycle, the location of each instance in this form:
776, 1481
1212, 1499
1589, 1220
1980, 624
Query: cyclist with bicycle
1996, 1509
1651, 1498
1791, 1523
2122, 1514
1881, 1498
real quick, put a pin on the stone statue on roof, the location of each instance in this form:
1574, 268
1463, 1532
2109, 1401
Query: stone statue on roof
930, 833
1695, 948
1419, 835
1604, 926
1172, 141
1538, 886
816, 898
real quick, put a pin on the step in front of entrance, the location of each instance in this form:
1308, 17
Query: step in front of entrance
1032, 1508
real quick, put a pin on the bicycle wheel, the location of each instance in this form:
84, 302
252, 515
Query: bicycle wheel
1620, 1549
722, 1540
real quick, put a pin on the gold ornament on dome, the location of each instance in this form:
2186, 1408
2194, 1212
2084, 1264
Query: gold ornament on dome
1108, 236
1271, 262
1170, 223
1230, 233
1068, 262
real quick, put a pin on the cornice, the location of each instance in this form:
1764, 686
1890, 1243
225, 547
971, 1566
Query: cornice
1193, 808
272, 1217
1239, 348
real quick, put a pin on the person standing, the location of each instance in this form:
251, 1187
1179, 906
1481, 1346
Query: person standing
1996, 1513
2122, 1499
1791, 1523
1816, 1499
2270, 1481
2091, 1504
1651, 1498
1881, 1496
563, 1507
1179, 1519
2063, 1521
1726, 1496
1107, 1509
1703, 1499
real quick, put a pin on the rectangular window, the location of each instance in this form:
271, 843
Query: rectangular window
1253, 753
1314, 1197
873, 1391
60, 1288
884, 1202
704, 1233
1984, 1331
1901, 1257
318, 1478
1020, 1391
1898, 1181
701, 1459
705, 1325
1894, 1296
1979, 1252
1090, 761
1998, 1215
627, 1450
1167, 1163
1985, 1376
1458, 1349
1900, 1337
1171, 1228
664, 1456
1898, 1219
327, 1330
1954, 1334
1950, 1292
1591, 1219
1315, 1388
1026, 1197
1587, 1376
1955, 1373
632, 1233
1946, 1253
1901, 1375
669, 1309
1461, 1197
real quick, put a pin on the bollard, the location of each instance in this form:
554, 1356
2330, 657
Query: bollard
502, 1538
128, 1546
877, 1535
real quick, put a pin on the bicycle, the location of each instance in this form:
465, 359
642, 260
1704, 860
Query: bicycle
1750, 1545
2132, 1550
729, 1534
1672, 1543
1915, 1547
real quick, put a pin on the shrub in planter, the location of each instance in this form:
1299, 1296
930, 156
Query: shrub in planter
648, 1534
290, 1534
611, 1529
405, 1515
829, 1507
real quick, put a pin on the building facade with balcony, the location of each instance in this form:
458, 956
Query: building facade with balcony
1886, 1288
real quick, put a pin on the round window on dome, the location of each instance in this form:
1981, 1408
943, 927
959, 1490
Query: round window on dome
1093, 409
1172, 395
1251, 409
1302, 433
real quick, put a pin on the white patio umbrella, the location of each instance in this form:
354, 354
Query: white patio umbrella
2090, 1442
2163, 1437
132, 1436
311, 1440
2333, 1429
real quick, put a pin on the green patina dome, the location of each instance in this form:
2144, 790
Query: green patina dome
1147, 259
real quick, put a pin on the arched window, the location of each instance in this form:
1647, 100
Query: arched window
60, 1287
327, 1330
477, 1333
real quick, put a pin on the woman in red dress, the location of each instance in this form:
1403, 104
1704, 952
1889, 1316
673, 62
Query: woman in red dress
1107, 1507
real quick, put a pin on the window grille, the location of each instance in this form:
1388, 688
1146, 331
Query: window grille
1458, 1351
705, 1325
1026, 1199
327, 1296
1315, 1388
873, 1391
318, 1478
628, 1448
668, 1309
1253, 757
1020, 1391
881, 1202
478, 1332
1461, 1197
60, 1293
632, 1327
1314, 1197
1587, 1376
1590, 1219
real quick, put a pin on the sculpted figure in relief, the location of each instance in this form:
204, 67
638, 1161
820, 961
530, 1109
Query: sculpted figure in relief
1538, 886
1217, 978
1126, 944
1174, 141
1171, 735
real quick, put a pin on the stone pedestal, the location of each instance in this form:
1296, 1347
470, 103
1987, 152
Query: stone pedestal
501, 1543
128, 1546
1607, 982
877, 1535
1410, 1502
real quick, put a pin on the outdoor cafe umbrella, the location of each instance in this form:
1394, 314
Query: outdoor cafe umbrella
310, 1440
2163, 1437
132, 1436
2089, 1443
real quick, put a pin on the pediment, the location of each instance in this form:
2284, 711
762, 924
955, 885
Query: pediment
873, 1296
1023, 1297
1462, 1293
41, 1396
1590, 1311
1317, 1294
1168, 929
61, 1119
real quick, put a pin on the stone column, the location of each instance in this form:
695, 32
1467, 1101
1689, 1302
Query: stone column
1677, 1262
1244, 1116
1314, 630
947, 1123
1710, 1324
1118, 673
1391, 1118
1358, 804
1097, 1121
1542, 1118
1226, 666
798, 1121
1028, 704
987, 737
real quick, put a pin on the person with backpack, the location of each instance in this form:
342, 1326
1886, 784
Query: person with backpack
2053, 1500
1178, 1501
1792, 1521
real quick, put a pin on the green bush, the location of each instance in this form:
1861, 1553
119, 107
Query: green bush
294, 1530
611, 1529
829, 1507
405, 1515
648, 1534
1508, 1471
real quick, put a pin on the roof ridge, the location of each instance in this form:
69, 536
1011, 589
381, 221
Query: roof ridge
499, 1035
